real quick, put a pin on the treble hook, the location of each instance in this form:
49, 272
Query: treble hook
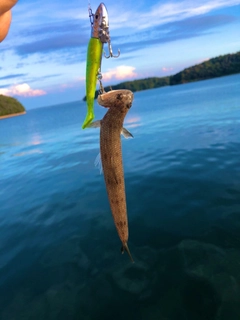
111, 52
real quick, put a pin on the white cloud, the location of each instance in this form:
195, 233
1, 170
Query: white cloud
188, 8
23, 90
120, 73
162, 13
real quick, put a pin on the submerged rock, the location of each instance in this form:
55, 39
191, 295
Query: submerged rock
213, 279
137, 278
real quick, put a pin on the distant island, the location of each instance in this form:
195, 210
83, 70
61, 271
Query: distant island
10, 107
216, 67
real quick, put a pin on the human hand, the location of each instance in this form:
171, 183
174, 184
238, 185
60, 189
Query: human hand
5, 17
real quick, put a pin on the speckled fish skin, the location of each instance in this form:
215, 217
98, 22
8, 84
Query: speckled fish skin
119, 102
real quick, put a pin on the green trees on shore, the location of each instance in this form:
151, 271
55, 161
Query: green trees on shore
138, 85
215, 67
9, 105
142, 84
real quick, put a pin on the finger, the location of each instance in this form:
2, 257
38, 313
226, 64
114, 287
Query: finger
5, 20
6, 5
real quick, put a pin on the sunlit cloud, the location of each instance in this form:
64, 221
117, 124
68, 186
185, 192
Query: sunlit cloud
23, 90
120, 73
165, 69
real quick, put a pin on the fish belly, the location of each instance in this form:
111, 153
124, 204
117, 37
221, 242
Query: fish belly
114, 179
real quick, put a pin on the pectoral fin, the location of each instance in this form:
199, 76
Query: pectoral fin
94, 124
126, 133
98, 162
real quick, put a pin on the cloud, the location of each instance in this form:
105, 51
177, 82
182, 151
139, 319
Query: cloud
53, 43
165, 69
120, 73
10, 76
49, 35
69, 26
142, 25
22, 90
185, 29
162, 13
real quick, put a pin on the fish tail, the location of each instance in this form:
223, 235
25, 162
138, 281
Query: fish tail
125, 248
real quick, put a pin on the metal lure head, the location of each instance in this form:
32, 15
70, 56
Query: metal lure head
100, 28
100, 24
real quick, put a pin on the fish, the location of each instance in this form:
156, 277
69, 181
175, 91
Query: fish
99, 35
118, 103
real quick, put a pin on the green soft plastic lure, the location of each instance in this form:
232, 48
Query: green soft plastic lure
99, 36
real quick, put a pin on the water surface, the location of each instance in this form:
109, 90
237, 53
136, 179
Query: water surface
59, 251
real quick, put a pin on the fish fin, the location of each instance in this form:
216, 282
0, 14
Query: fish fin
98, 163
125, 248
94, 124
126, 133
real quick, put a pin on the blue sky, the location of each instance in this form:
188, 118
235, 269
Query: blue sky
43, 57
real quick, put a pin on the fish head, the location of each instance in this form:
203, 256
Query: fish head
100, 28
116, 98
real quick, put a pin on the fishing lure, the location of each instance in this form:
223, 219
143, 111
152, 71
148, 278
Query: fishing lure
99, 36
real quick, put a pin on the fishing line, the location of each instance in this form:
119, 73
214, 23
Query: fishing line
89, 5
90, 14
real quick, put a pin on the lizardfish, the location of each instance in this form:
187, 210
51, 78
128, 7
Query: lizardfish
99, 36
111, 126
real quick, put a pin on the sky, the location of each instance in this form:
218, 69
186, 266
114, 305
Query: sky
43, 58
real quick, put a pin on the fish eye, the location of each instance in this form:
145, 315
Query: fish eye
96, 16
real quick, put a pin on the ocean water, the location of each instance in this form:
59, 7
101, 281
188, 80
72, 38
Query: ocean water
59, 251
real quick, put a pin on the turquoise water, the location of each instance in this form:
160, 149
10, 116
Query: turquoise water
59, 251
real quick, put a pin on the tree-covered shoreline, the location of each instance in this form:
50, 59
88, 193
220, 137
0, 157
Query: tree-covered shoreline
216, 67
10, 106
213, 68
